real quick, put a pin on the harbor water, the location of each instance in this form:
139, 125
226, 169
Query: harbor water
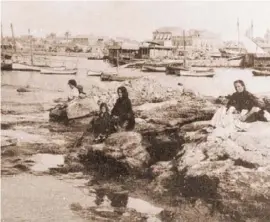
220, 84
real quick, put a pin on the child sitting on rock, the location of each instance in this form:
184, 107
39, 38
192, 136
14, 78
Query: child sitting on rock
101, 126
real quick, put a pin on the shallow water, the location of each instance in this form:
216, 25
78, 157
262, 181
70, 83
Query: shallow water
142, 206
40, 199
43, 162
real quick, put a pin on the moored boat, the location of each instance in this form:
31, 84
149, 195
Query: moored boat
6, 66
192, 73
6, 62
174, 70
25, 67
58, 71
94, 73
116, 77
154, 68
261, 73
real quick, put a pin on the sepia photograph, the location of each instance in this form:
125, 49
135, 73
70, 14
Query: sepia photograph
135, 111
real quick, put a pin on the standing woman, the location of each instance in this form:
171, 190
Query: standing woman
122, 113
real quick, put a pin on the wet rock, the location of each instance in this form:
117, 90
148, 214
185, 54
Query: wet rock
23, 89
7, 141
225, 173
76, 206
10, 151
119, 199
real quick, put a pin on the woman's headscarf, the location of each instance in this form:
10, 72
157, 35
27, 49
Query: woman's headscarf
124, 91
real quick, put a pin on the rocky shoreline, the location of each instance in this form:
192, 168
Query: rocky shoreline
168, 158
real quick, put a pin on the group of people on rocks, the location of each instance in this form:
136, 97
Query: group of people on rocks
120, 118
242, 106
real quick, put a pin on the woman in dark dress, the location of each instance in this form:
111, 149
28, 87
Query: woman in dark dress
122, 113
245, 103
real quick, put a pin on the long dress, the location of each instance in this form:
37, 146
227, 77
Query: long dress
123, 110
101, 126
239, 105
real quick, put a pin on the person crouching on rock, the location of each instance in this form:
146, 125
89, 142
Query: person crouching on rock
101, 126
242, 103
122, 113
74, 92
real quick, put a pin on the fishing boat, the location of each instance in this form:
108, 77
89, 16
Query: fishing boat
94, 73
261, 73
115, 77
154, 68
58, 71
25, 67
6, 62
201, 69
174, 70
192, 73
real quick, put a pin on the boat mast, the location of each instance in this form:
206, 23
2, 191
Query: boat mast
13, 37
31, 51
184, 38
2, 38
117, 59
238, 34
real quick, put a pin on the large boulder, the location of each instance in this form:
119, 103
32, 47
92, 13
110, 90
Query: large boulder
231, 173
172, 113
122, 150
81, 108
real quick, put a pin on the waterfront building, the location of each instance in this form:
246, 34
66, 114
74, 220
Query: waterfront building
189, 39
152, 50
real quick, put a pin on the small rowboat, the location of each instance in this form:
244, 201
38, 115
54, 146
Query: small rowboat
196, 74
94, 73
261, 73
25, 67
116, 77
58, 71
154, 68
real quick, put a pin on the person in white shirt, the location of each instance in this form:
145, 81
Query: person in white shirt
74, 92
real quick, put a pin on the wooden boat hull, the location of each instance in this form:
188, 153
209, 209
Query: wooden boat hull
202, 70
114, 77
261, 73
153, 69
94, 73
58, 71
6, 66
174, 70
196, 74
25, 67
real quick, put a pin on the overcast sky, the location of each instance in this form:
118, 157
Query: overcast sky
133, 19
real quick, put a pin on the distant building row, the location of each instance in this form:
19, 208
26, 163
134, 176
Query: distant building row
191, 39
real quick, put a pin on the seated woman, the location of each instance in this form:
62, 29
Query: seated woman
242, 103
74, 92
122, 113
101, 125
58, 113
